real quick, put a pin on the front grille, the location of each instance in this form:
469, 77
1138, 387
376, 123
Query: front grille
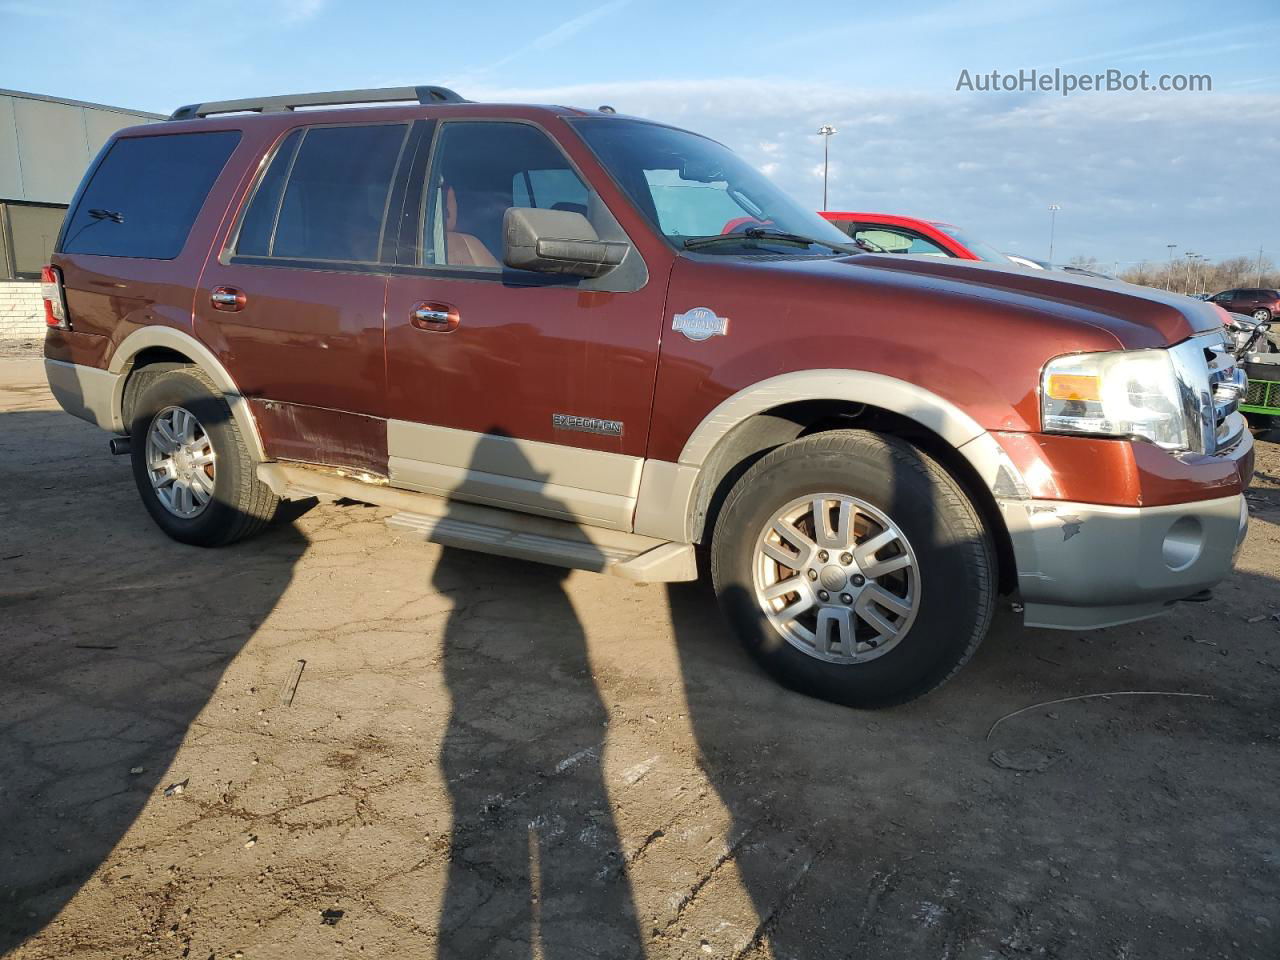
1212, 387
1258, 394
1227, 386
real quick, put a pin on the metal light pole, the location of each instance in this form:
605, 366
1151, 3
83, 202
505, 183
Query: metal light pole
1168, 285
1053, 216
826, 131
1191, 256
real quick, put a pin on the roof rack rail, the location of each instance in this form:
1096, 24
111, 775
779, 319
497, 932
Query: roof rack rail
284, 104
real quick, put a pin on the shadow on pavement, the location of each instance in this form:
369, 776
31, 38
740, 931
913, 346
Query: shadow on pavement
535, 866
93, 707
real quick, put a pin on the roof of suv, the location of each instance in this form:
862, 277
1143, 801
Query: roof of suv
372, 98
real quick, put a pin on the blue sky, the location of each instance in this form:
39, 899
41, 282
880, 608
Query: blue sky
1131, 171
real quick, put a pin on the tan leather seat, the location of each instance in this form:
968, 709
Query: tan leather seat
462, 249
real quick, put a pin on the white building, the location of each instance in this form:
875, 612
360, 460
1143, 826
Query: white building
45, 146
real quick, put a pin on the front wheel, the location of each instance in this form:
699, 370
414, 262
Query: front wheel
854, 568
192, 467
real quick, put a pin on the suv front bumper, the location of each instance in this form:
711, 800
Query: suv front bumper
1084, 565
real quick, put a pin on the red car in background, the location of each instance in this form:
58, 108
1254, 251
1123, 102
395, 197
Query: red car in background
891, 233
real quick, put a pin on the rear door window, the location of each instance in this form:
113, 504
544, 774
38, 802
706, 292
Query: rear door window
145, 194
325, 197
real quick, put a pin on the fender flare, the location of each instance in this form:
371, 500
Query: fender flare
121, 364
856, 386
669, 500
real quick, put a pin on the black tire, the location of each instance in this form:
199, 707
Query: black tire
954, 555
241, 504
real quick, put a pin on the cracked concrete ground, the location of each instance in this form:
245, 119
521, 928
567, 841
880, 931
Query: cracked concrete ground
486, 758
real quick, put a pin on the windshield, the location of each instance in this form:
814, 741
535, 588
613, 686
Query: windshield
983, 251
692, 188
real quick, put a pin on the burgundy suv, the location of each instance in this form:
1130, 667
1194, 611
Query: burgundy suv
1250, 301
526, 331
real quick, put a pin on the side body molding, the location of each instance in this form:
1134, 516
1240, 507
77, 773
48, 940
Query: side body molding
669, 491
157, 336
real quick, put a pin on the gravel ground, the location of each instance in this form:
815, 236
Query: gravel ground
484, 758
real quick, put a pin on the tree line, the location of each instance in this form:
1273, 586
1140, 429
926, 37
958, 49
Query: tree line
1192, 275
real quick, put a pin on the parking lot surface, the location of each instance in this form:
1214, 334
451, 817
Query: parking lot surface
488, 758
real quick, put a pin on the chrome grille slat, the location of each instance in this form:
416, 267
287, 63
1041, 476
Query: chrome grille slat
1213, 388
1227, 385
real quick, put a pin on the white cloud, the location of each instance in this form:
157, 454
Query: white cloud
299, 11
559, 34
1192, 43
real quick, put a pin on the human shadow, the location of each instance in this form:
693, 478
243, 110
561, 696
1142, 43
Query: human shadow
113, 639
535, 866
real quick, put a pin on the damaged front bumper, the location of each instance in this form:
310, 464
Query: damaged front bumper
1084, 565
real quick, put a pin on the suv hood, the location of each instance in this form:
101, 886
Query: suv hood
1136, 316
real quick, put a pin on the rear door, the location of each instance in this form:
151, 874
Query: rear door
293, 304
1251, 300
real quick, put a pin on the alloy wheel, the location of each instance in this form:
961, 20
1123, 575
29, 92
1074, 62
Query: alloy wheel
836, 578
181, 462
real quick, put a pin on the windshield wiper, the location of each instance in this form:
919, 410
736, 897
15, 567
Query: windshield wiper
760, 233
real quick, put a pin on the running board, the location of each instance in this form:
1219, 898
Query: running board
494, 530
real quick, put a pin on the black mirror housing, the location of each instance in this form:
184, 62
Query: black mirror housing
557, 241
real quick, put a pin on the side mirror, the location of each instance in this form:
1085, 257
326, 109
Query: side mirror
557, 241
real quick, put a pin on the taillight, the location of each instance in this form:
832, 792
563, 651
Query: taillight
55, 303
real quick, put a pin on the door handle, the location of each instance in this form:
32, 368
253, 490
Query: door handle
433, 316
227, 298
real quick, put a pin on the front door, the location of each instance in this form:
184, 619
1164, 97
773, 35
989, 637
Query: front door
517, 389
294, 306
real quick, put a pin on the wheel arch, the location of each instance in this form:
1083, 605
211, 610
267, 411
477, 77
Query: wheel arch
164, 348
753, 421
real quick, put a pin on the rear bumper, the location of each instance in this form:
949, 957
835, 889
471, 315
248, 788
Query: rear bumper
86, 392
1082, 565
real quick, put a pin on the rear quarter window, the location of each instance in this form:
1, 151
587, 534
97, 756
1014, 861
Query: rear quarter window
143, 197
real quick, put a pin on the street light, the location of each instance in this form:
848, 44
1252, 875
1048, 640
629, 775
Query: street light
826, 131
1169, 277
1053, 216
1191, 256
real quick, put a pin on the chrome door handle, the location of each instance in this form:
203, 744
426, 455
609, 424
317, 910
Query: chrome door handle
434, 316
227, 298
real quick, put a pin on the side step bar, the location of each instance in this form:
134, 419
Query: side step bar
494, 530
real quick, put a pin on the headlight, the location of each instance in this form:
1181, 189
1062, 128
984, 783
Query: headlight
1132, 393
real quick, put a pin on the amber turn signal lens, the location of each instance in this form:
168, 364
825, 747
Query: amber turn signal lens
1073, 386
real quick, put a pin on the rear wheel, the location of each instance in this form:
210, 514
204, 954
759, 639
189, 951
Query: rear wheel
854, 568
1262, 314
192, 467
